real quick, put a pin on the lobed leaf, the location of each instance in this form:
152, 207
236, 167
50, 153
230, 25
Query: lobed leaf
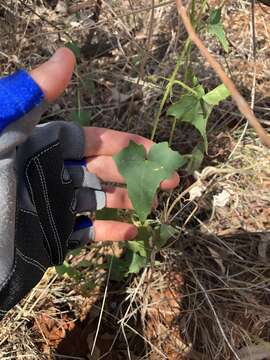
143, 174
216, 28
196, 109
189, 109
215, 96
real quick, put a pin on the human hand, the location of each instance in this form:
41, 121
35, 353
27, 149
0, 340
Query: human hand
101, 144
44, 184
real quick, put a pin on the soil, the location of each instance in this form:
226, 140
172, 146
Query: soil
209, 289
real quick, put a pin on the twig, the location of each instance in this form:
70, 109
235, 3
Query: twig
214, 313
146, 55
265, 2
69, 357
253, 90
88, 49
101, 310
43, 18
237, 97
80, 6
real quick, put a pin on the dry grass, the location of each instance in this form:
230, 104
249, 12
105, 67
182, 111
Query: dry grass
209, 296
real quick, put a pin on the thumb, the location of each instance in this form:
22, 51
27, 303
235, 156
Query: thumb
54, 75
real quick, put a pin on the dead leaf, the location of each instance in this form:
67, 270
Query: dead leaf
119, 97
222, 199
196, 191
53, 330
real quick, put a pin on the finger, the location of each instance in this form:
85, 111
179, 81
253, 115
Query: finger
117, 198
81, 177
54, 75
104, 167
88, 199
114, 231
170, 183
100, 141
83, 232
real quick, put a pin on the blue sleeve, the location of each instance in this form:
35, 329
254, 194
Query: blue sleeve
19, 94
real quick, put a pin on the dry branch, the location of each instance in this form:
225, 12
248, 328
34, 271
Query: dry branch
80, 6
237, 97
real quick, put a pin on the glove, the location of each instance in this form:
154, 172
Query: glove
44, 189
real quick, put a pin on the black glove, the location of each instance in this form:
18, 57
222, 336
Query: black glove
44, 187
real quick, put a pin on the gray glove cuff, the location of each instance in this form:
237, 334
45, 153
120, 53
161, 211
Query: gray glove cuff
13, 136
21, 155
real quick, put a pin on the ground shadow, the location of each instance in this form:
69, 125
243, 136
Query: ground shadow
111, 342
224, 280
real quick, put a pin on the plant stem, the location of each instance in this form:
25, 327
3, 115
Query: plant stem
187, 67
241, 103
184, 53
78, 90
188, 88
172, 131
169, 87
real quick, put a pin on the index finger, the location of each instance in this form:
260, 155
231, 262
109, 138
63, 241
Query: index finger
54, 75
102, 141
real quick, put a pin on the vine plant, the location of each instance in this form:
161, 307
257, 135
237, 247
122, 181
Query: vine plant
144, 172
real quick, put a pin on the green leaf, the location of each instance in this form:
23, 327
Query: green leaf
195, 159
215, 17
216, 28
61, 269
198, 119
84, 264
219, 32
165, 233
119, 268
137, 263
65, 268
107, 214
144, 174
76, 251
182, 107
215, 96
190, 109
141, 244
131, 263
73, 273
75, 49
199, 90
138, 246
82, 117
196, 110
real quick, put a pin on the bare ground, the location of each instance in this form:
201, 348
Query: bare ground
209, 297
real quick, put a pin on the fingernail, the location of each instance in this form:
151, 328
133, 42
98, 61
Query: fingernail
61, 53
131, 233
